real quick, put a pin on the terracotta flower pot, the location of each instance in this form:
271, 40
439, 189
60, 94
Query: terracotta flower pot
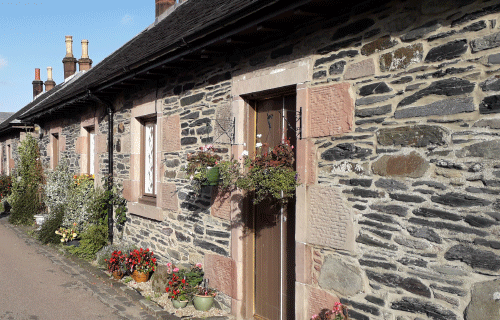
140, 276
203, 303
117, 275
179, 304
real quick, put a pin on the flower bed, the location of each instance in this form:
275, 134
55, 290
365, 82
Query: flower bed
163, 300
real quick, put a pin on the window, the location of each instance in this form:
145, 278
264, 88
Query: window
91, 151
148, 162
55, 150
7, 165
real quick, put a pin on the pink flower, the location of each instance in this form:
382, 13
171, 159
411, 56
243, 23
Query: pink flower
169, 264
198, 265
176, 269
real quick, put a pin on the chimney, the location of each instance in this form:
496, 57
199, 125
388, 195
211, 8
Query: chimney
37, 84
162, 6
49, 84
69, 61
85, 63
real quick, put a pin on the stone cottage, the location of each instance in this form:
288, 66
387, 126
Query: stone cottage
392, 107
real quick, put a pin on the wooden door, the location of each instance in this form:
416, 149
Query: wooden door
274, 224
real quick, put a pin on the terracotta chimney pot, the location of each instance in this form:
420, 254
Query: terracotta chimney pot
85, 63
50, 83
162, 6
69, 61
37, 84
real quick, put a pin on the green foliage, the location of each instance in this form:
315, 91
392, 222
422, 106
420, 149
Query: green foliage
5, 186
114, 197
270, 174
58, 186
97, 206
47, 232
25, 201
29, 166
77, 208
93, 239
25, 198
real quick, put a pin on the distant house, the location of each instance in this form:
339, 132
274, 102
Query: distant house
392, 107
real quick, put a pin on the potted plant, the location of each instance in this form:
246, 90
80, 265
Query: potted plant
339, 312
68, 235
202, 166
141, 263
204, 297
270, 173
178, 290
116, 264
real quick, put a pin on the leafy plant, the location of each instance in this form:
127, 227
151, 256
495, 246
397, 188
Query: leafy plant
77, 208
116, 262
141, 260
67, 234
26, 184
5, 186
93, 239
178, 288
52, 223
270, 173
107, 250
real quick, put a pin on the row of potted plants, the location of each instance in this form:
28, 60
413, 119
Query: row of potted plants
269, 173
138, 263
183, 285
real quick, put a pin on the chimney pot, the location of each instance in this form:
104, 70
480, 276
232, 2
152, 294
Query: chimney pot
85, 63
162, 6
69, 46
69, 61
37, 84
49, 84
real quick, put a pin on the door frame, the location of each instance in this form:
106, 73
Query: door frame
246, 86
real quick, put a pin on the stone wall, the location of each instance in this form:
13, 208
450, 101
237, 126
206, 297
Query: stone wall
418, 170
411, 166
402, 215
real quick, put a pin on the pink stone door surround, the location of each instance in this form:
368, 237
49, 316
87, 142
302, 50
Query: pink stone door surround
298, 74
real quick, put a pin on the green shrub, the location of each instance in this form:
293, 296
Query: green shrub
5, 186
25, 203
26, 184
93, 239
47, 232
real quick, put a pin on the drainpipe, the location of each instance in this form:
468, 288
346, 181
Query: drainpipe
110, 163
110, 172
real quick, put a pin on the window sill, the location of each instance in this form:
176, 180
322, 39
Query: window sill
145, 210
147, 200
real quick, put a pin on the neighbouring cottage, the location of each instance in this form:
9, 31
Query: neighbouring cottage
392, 107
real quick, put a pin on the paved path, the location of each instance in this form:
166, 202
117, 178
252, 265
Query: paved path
36, 282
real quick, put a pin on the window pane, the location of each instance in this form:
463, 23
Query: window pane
149, 162
91, 151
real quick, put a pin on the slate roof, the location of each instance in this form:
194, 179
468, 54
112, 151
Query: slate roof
5, 115
192, 19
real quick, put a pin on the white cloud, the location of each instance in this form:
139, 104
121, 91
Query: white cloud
3, 62
127, 19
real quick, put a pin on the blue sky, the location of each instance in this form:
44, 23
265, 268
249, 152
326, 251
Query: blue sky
32, 36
